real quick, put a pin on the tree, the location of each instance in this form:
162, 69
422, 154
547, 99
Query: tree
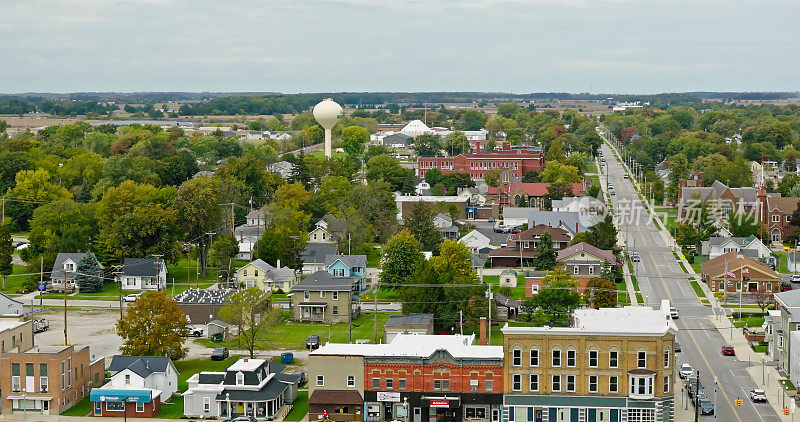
556, 172
251, 311
545, 258
284, 236
428, 144
198, 212
6, 247
492, 177
603, 234
761, 298
679, 169
456, 143
600, 293
388, 168
420, 222
32, 187
743, 224
87, 274
223, 254
401, 258
153, 326
795, 219
555, 152
558, 295
353, 139
299, 172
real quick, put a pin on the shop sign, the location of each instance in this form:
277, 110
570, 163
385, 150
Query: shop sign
440, 403
388, 396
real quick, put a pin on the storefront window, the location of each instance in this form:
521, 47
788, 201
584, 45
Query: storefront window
474, 412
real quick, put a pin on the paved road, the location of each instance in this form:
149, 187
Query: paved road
660, 277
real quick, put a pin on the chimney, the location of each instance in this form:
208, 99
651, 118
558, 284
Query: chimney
278, 263
482, 335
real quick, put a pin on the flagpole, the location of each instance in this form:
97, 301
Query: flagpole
725, 284
741, 276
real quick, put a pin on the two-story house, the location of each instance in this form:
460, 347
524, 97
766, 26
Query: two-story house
254, 387
602, 368
138, 387
47, 379
750, 246
64, 269
788, 304
336, 382
348, 266
323, 297
522, 246
143, 274
266, 277
584, 262
320, 233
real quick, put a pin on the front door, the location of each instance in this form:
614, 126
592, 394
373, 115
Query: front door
98, 408
537, 415
45, 407
563, 415
417, 414
752, 287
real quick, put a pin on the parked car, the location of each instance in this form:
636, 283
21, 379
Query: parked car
312, 342
728, 351
686, 370
625, 176
43, 285
611, 192
220, 353
786, 286
673, 312
758, 395
245, 418
635, 257
501, 229
677, 347
515, 230
133, 297
795, 278
193, 331
706, 407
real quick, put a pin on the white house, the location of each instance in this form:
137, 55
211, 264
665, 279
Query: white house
475, 241
143, 274
64, 268
320, 233
750, 246
134, 376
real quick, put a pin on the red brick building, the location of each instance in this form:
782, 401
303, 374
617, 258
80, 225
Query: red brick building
523, 246
525, 194
777, 215
516, 161
441, 378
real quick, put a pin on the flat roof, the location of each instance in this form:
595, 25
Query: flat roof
246, 364
415, 345
9, 325
629, 320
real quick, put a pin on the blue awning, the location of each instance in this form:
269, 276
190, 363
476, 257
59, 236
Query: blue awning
130, 396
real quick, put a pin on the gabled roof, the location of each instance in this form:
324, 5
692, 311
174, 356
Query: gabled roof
410, 319
7, 297
733, 260
323, 281
140, 364
603, 254
784, 205
58, 265
315, 253
140, 267
277, 274
540, 189
335, 397
349, 261
790, 298
474, 239
557, 234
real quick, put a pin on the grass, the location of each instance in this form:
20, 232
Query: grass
385, 294
640, 298
623, 299
300, 408
783, 260
80, 409
750, 321
635, 282
291, 335
697, 289
516, 292
760, 349
374, 258
14, 280
787, 384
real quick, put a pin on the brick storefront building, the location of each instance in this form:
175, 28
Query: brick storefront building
517, 162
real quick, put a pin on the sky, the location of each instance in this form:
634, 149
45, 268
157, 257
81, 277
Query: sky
290, 46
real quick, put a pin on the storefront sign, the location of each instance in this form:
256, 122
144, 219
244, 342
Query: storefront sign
440, 403
388, 396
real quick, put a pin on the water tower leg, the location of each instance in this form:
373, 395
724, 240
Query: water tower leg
328, 143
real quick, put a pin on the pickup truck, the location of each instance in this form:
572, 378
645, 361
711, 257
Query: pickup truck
193, 331
40, 325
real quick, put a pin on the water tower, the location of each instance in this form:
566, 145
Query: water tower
327, 113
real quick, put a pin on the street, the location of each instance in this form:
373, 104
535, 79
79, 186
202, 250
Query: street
661, 277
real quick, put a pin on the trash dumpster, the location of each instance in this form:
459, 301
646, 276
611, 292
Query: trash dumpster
287, 358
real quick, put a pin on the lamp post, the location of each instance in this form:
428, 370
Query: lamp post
715, 398
405, 404
24, 400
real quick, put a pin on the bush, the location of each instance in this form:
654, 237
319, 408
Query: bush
505, 291
278, 292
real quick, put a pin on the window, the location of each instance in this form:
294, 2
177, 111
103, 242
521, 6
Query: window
63, 377
69, 372
641, 359
641, 415
593, 358
516, 382
245, 273
351, 381
335, 295
780, 342
776, 218
592, 383
401, 384
140, 407
322, 294
571, 383
613, 384
389, 383
516, 357
475, 412
255, 273
534, 289
43, 381
556, 358
473, 385
556, 383
306, 295
206, 404
441, 384
240, 378
534, 382
575, 269
666, 358
641, 385
320, 380
127, 379
376, 383
768, 287
571, 354
666, 384
488, 385
15, 380
534, 361
335, 310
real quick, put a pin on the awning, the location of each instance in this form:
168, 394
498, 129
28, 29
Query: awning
339, 397
130, 396
314, 304
27, 397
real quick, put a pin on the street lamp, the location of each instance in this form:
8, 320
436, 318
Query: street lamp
405, 404
24, 395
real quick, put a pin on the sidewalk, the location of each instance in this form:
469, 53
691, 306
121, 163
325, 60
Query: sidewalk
765, 376
629, 286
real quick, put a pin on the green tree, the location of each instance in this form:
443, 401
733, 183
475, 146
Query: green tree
456, 143
284, 236
6, 248
420, 222
32, 188
493, 177
62, 225
603, 234
223, 254
300, 173
87, 274
153, 326
353, 139
558, 295
428, 144
401, 258
388, 169
251, 311
545, 259
198, 213
743, 224
600, 293
555, 152
679, 167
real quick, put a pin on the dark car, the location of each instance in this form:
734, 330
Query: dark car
728, 351
220, 353
706, 407
677, 347
312, 342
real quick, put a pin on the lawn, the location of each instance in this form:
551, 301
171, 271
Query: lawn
385, 294
750, 321
300, 408
81, 408
14, 280
516, 292
623, 299
783, 259
186, 368
292, 335
697, 289
374, 258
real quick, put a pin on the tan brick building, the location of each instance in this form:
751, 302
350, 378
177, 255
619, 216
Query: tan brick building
15, 334
601, 368
47, 379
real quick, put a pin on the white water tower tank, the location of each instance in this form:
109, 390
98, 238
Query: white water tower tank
327, 113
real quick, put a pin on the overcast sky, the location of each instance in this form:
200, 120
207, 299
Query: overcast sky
609, 46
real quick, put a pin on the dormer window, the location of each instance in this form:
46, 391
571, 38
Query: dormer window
239, 378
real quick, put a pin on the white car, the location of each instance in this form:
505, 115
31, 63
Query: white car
686, 370
625, 176
795, 278
758, 394
673, 312
133, 297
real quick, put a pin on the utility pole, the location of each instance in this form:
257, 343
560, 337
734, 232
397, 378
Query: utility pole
118, 274
490, 296
461, 322
377, 285
158, 271
696, 387
41, 279
65, 306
